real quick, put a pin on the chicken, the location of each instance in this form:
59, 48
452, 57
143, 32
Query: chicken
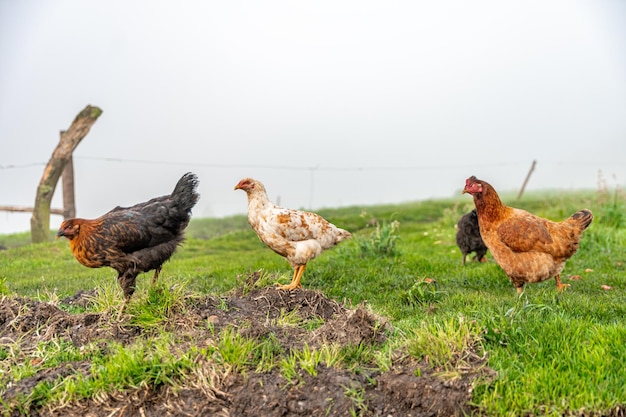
134, 239
296, 235
468, 237
527, 247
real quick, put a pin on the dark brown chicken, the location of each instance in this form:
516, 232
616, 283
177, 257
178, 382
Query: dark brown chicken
527, 247
468, 237
134, 239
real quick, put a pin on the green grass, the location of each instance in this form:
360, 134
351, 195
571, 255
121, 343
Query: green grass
553, 353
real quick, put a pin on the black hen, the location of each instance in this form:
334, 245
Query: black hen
134, 239
468, 237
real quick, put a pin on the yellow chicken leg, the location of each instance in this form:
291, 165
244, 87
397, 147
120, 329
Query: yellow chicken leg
295, 282
559, 285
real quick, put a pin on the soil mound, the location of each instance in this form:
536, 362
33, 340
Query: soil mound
255, 313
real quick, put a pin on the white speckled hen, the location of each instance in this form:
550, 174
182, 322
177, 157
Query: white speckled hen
299, 236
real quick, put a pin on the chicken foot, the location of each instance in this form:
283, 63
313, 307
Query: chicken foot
295, 282
559, 285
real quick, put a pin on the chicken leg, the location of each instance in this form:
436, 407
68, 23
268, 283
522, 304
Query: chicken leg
559, 285
295, 282
156, 275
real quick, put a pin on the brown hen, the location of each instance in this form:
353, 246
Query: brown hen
134, 239
296, 235
527, 247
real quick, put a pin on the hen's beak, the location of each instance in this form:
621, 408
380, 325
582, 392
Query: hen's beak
59, 234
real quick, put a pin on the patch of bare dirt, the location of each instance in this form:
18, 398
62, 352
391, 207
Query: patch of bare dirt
256, 313
31, 322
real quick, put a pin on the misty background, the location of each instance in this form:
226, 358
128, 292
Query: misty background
328, 103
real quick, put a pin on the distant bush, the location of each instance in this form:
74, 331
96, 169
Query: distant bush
382, 241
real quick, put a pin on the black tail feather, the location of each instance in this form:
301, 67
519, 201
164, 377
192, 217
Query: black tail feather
185, 191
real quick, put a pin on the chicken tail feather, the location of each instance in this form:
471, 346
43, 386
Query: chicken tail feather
185, 191
343, 235
583, 218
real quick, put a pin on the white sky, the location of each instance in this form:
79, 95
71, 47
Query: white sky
329, 103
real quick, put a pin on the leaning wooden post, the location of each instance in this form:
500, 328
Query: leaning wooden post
40, 221
532, 168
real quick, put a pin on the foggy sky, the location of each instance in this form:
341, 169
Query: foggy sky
328, 103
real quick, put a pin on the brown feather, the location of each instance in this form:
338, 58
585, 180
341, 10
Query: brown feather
527, 247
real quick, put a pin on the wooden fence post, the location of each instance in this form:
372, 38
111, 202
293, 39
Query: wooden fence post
40, 220
532, 168
69, 201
